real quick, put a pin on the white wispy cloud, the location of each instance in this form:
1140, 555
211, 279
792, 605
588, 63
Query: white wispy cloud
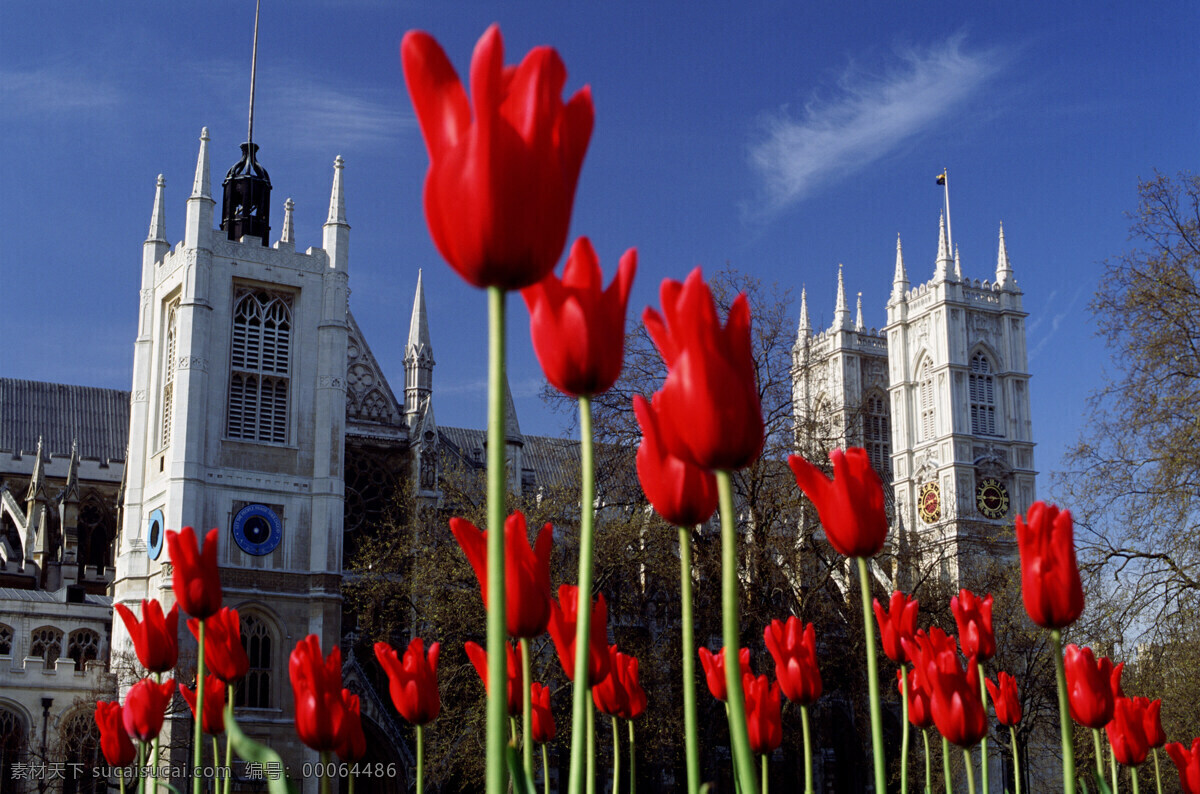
1055, 321
316, 114
55, 89
871, 116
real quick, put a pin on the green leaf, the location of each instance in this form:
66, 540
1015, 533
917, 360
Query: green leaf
249, 750
1101, 783
521, 784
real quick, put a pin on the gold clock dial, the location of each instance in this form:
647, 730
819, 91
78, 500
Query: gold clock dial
929, 502
991, 497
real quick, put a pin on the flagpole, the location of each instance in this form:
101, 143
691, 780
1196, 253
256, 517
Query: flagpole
949, 233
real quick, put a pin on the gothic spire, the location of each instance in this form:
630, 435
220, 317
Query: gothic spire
246, 206
512, 428
37, 479
859, 325
418, 325
957, 265
337, 200
943, 256
805, 326
289, 233
202, 184
158, 217
841, 312
1004, 273
900, 279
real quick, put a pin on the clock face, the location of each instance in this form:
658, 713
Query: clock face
257, 530
154, 535
929, 502
991, 497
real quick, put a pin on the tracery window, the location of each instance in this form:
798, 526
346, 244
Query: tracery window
12, 742
260, 368
83, 646
877, 435
254, 691
96, 532
46, 644
982, 396
168, 390
6, 640
79, 742
925, 401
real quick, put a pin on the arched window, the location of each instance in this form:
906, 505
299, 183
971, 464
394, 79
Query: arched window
877, 435
925, 401
83, 646
260, 366
12, 742
46, 644
6, 640
254, 691
168, 390
982, 397
96, 531
79, 745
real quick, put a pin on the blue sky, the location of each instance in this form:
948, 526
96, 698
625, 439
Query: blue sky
783, 138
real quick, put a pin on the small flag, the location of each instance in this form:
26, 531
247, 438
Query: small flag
941, 178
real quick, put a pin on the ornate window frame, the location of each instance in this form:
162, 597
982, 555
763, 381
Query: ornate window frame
258, 407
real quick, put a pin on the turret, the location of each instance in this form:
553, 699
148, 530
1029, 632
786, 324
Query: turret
859, 325
1004, 273
944, 261
336, 232
246, 206
900, 279
418, 359
200, 204
288, 238
805, 327
841, 312
957, 265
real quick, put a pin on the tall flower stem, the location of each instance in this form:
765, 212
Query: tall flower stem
946, 763
141, 765
1157, 773
527, 716
1064, 715
583, 612
326, 788
1133, 775
983, 743
229, 751
497, 708
1016, 754
154, 752
632, 761
198, 735
904, 735
421, 758
928, 766
1099, 752
546, 771
970, 771
1112, 762
616, 786
766, 777
591, 748
808, 780
739, 736
872, 677
691, 738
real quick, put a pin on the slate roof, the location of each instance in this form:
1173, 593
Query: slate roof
98, 418
552, 460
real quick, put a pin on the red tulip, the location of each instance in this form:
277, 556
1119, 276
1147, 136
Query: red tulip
317, 689
954, 693
114, 741
763, 717
1188, 764
413, 681
513, 690
710, 414
156, 638
145, 705
637, 695
544, 728
224, 655
683, 494
563, 617
578, 328
214, 704
1115, 680
974, 618
714, 670
610, 695
196, 580
353, 745
899, 622
850, 505
526, 571
1005, 699
1089, 688
1154, 729
793, 646
500, 186
1050, 584
1127, 731
920, 711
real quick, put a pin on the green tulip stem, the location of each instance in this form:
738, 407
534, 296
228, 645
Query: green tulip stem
1157, 774
545, 771
512, 731
1133, 775
872, 677
216, 753
527, 716
946, 763
350, 782
421, 758
632, 761
154, 752
591, 748
983, 743
1112, 761
1064, 715
928, 766
737, 786
904, 723
229, 749
141, 765
583, 612
808, 766
739, 736
970, 771
766, 778
497, 705
1099, 752
616, 786
326, 788
121, 781
198, 735
691, 737
1016, 754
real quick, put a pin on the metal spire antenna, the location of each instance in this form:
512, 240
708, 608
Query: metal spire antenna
253, 68
945, 181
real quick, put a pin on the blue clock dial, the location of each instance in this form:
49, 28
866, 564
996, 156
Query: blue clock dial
257, 530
